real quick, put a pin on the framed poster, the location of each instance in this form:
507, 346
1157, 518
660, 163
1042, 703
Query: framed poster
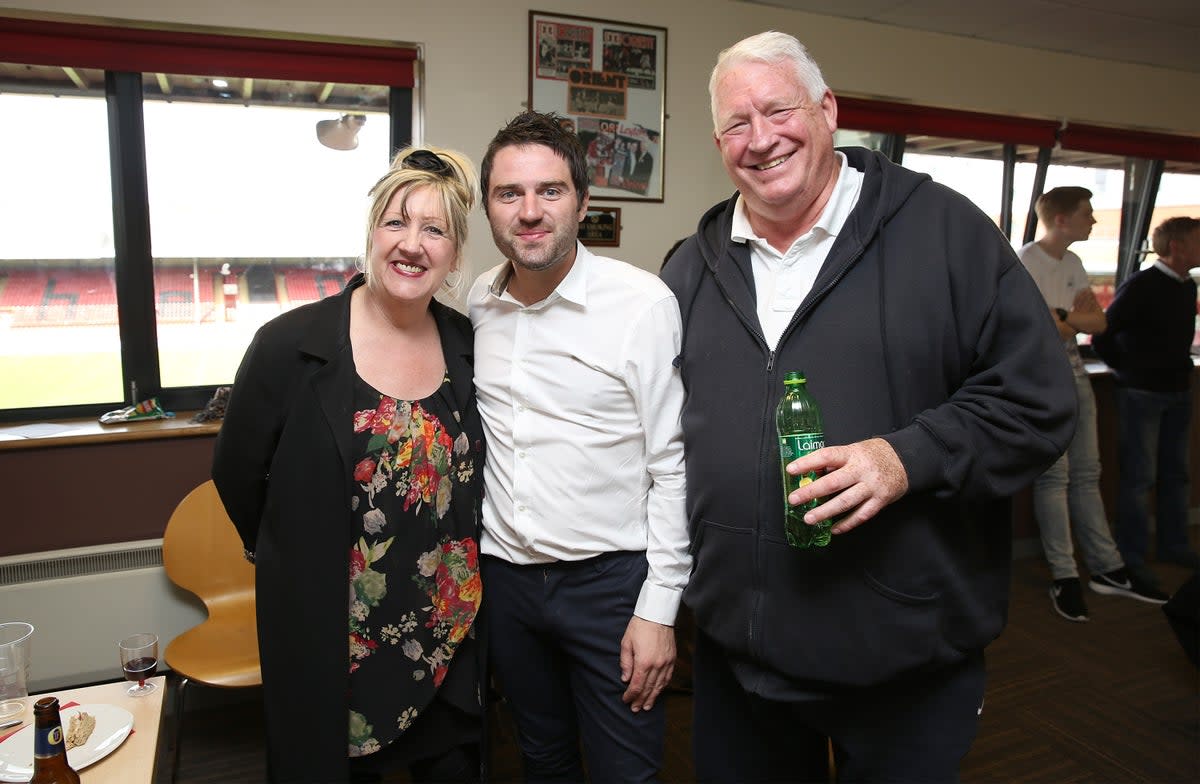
601, 226
609, 79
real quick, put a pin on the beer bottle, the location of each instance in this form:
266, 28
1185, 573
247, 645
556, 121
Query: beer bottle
49, 747
798, 422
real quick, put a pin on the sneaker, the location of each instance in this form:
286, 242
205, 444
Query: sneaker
1123, 583
1067, 598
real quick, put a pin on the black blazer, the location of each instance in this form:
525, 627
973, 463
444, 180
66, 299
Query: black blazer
283, 469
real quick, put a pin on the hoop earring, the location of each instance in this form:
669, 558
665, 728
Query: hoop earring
360, 264
453, 284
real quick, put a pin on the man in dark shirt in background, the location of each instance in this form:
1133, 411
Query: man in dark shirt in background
1151, 324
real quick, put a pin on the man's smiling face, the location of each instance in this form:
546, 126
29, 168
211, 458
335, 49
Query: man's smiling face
775, 141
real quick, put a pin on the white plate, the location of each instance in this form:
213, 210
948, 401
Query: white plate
113, 726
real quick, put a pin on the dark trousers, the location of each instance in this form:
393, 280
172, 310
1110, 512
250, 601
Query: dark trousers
913, 730
555, 647
1153, 445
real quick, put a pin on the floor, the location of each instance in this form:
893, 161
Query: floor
1112, 700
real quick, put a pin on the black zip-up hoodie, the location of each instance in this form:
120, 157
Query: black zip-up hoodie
923, 328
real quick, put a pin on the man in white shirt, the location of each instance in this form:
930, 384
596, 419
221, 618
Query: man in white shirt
585, 543
1067, 495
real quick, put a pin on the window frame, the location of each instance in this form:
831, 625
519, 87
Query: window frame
125, 54
1145, 154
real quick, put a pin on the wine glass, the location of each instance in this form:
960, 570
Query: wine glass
139, 661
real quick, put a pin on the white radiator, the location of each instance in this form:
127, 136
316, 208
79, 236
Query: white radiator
83, 600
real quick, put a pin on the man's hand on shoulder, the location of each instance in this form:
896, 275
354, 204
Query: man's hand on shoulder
858, 481
647, 661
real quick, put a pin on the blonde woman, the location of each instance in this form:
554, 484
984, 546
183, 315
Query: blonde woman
350, 460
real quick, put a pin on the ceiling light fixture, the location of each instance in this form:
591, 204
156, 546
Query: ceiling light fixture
342, 133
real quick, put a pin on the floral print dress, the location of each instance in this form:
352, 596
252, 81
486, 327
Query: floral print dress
414, 578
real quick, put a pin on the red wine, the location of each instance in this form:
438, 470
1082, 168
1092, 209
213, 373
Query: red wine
140, 669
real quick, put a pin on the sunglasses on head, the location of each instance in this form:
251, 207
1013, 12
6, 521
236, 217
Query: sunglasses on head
429, 161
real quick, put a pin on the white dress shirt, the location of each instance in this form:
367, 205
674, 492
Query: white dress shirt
581, 407
783, 280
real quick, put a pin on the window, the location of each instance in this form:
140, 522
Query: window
976, 153
1100, 251
967, 151
244, 199
56, 247
973, 168
872, 140
1178, 195
173, 198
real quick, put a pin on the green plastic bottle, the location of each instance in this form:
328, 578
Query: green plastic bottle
798, 422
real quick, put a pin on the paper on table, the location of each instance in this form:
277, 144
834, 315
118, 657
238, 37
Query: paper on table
38, 429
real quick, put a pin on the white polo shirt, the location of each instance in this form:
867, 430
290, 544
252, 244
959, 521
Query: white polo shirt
783, 280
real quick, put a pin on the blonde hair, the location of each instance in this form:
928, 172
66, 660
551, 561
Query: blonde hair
448, 172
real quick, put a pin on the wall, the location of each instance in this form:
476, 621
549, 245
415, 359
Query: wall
64, 497
77, 621
73, 496
476, 77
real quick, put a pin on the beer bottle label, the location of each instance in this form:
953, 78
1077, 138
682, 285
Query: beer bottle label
48, 742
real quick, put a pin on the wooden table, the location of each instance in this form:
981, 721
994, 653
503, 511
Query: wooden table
133, 761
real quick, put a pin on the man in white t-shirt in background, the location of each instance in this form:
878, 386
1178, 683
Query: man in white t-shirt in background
1069, 491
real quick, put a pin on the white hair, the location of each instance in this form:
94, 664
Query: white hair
769, 47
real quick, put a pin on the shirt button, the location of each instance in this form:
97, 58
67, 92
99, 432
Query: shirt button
521, 455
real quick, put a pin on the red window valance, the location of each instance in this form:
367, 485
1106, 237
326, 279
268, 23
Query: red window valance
1135, 144
139, 50
888, 117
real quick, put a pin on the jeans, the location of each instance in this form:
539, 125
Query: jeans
1153, 443
1068, 493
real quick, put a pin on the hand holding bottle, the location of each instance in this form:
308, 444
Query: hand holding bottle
856, 481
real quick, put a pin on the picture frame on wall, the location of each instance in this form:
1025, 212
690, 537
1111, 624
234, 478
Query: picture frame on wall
609, 80
601, 227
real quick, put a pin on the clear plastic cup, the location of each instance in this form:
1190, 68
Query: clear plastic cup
14, 667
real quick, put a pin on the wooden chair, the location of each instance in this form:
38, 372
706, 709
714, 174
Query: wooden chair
202, 553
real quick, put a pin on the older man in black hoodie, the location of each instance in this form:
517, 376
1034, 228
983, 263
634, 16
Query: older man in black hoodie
944, 391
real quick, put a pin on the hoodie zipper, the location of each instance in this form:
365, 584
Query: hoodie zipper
767, 443
756, 585
768, 457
